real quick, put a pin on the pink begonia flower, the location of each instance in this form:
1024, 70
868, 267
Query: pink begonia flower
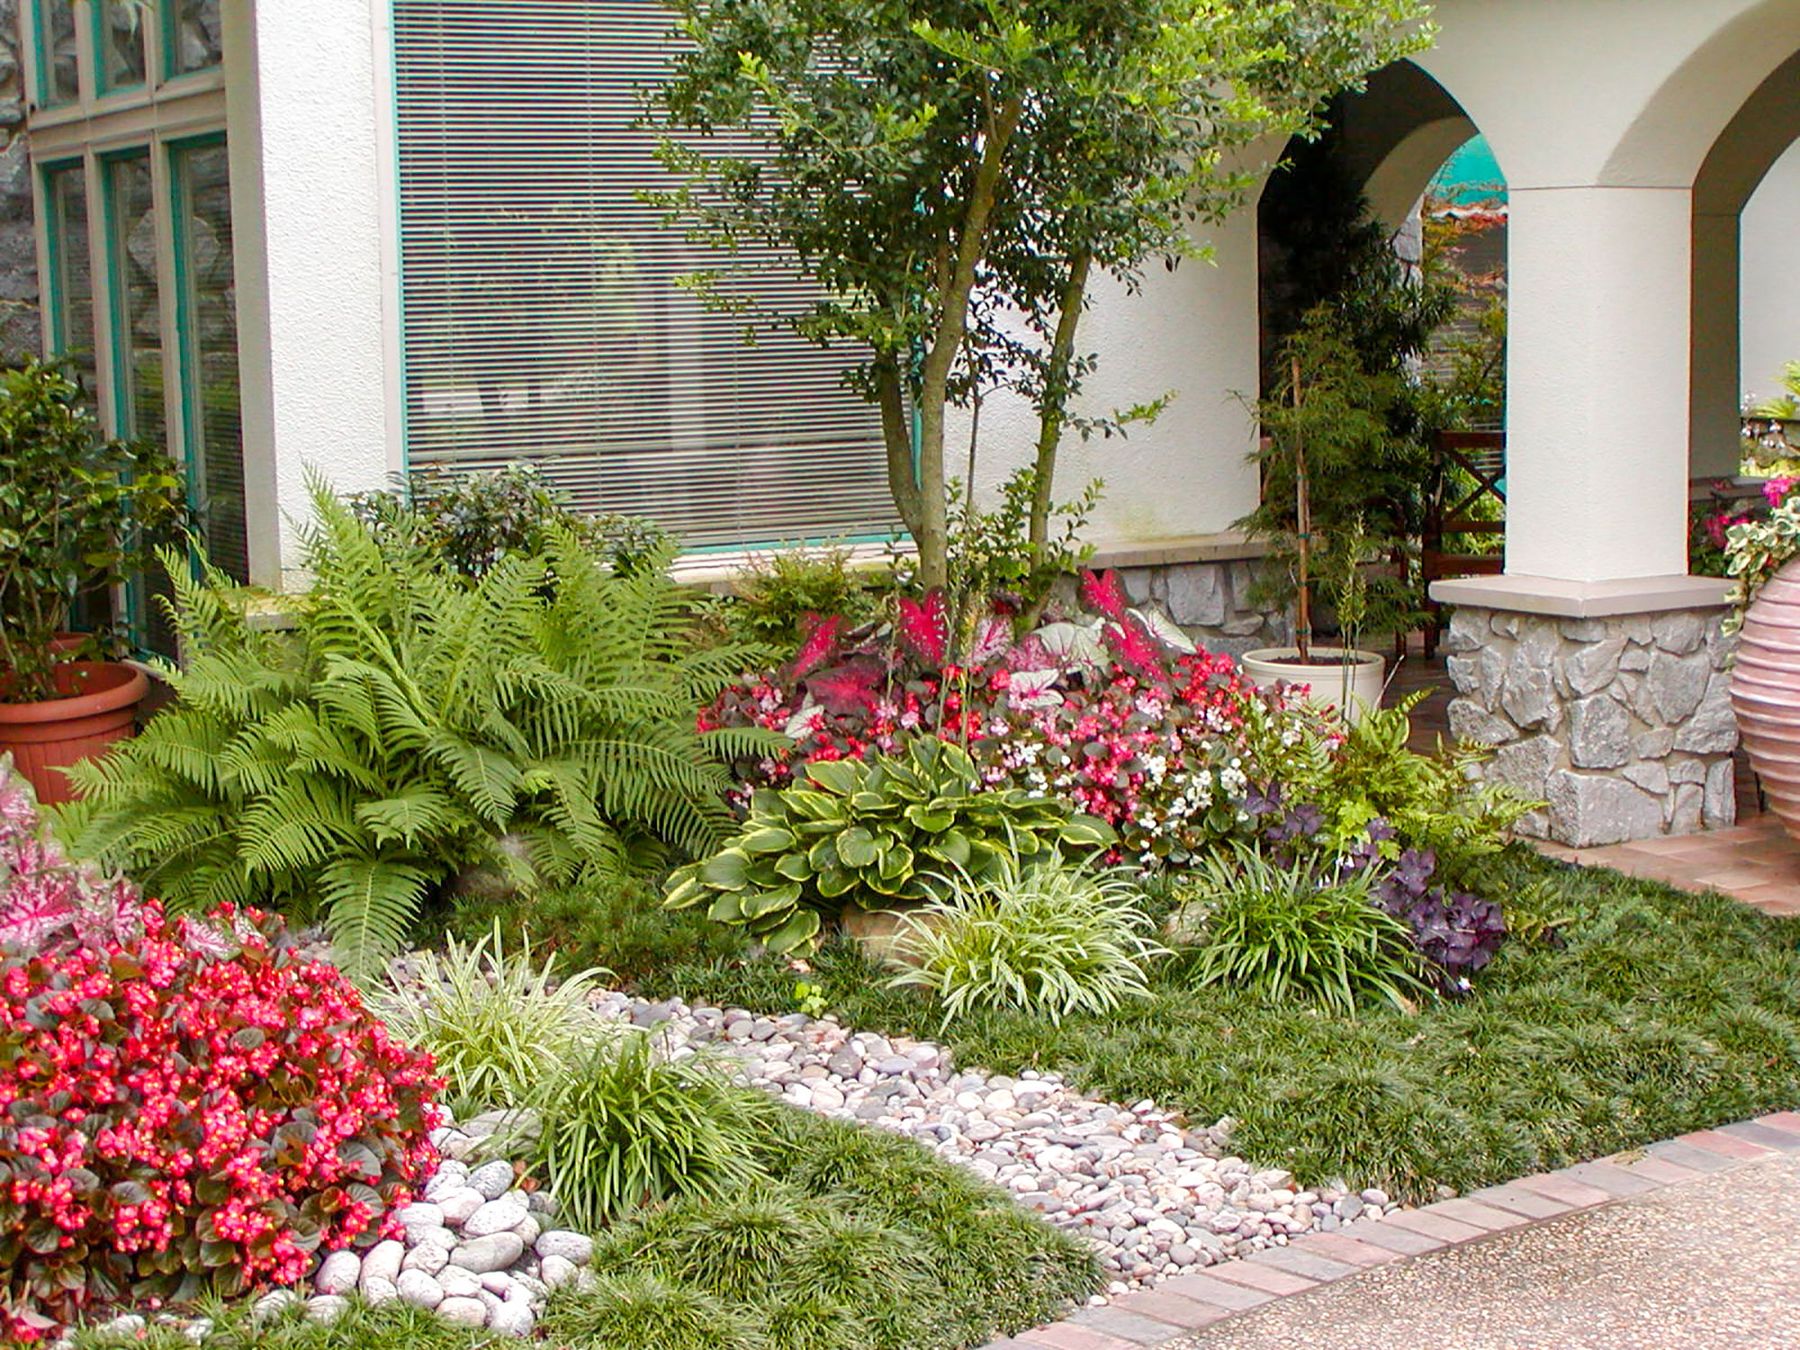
1775, 491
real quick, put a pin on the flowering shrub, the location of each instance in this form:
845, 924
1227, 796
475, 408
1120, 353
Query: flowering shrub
183, 1105
1757, 548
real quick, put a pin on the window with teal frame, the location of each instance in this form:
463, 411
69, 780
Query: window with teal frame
192, 40
53, 25
70, 290
120, 62
206, 330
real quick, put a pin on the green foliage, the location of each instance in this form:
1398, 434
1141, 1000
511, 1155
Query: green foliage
1429, 800
773, 597
904, 153
1660, 1012
78, 515
1330, 458
615, 923
473, 520
623, 1125
1756, 550
632, 1310
491, 1019
871, 832
1048, 937
539, 721
1290, 934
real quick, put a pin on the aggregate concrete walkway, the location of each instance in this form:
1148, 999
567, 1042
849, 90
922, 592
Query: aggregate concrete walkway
1690, 1244
1703, 1265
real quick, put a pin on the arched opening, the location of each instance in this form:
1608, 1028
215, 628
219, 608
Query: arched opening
1395, 220
1746, 296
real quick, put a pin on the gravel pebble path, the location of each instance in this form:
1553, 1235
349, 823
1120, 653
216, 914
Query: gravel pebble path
1156, 1197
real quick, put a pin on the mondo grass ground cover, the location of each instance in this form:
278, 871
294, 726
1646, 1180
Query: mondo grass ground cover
857, 1240
1652, 1012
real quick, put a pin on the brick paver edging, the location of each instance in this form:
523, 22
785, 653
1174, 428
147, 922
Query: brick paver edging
1192, 1300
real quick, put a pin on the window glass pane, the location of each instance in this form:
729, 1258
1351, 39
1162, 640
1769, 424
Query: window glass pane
191, 37
56, 51
120, 40
71, 281
215, 451
137, 318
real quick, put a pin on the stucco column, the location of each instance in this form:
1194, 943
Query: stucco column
1597, 396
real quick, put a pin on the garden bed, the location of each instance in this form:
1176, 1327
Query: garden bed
1655, 1012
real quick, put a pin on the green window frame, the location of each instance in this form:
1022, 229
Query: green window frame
79, 348
173, 14
99, 19
49, 91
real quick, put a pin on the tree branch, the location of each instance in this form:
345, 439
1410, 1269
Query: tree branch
1054, 410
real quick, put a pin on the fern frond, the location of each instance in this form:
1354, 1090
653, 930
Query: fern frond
370, 902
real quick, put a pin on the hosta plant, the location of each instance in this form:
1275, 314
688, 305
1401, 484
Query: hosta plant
875, 833
1050, 938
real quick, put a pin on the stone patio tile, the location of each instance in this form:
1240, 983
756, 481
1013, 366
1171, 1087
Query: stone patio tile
1752, 1132
1209, 1288
1529, 1204
1686, 1155
1124, 1325
1782, 901
1349, 1247
1308, 1264
1403, 1241
1558, 1186
1612, 1179
1726, 1145
1266, 1278
1175, 1309
1435, 1225
1067, 1336
1781, 1120
1488, 1218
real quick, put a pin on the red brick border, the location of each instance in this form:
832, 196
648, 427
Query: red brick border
1192, 1300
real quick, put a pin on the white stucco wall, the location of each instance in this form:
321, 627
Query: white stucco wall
309, 126
1771, 263
1191, 333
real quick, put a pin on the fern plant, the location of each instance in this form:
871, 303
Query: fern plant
539, 721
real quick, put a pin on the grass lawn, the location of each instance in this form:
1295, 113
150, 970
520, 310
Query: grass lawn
1660, 1012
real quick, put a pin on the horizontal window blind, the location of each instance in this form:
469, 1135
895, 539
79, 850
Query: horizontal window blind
541, 319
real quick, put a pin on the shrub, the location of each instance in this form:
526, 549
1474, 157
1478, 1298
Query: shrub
623, 1125
641, 1310
473, 520
776, 596
1048, 938
870, 832
492, 1021
191, 1106
1296, 933
539, 721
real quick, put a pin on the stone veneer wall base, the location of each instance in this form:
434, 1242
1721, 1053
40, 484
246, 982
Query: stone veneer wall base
1622, 724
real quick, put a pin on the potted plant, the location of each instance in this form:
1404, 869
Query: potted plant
1327, 432
78, 513
1763, 556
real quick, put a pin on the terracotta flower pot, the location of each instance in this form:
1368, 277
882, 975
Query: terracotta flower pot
1765, 692
99, 707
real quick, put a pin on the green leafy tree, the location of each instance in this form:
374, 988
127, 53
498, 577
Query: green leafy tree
954, 175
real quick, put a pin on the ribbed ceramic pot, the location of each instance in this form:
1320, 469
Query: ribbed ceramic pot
1765, 692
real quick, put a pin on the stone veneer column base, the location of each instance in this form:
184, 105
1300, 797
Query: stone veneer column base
1620, 722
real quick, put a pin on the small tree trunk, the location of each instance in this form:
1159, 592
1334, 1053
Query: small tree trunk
1056, 400
903, 481
1303, 532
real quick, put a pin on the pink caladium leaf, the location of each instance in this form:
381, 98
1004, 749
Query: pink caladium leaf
818, 647
1030, 653
1132, 645
924, 630
850, 688
1102, 593
993, 638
